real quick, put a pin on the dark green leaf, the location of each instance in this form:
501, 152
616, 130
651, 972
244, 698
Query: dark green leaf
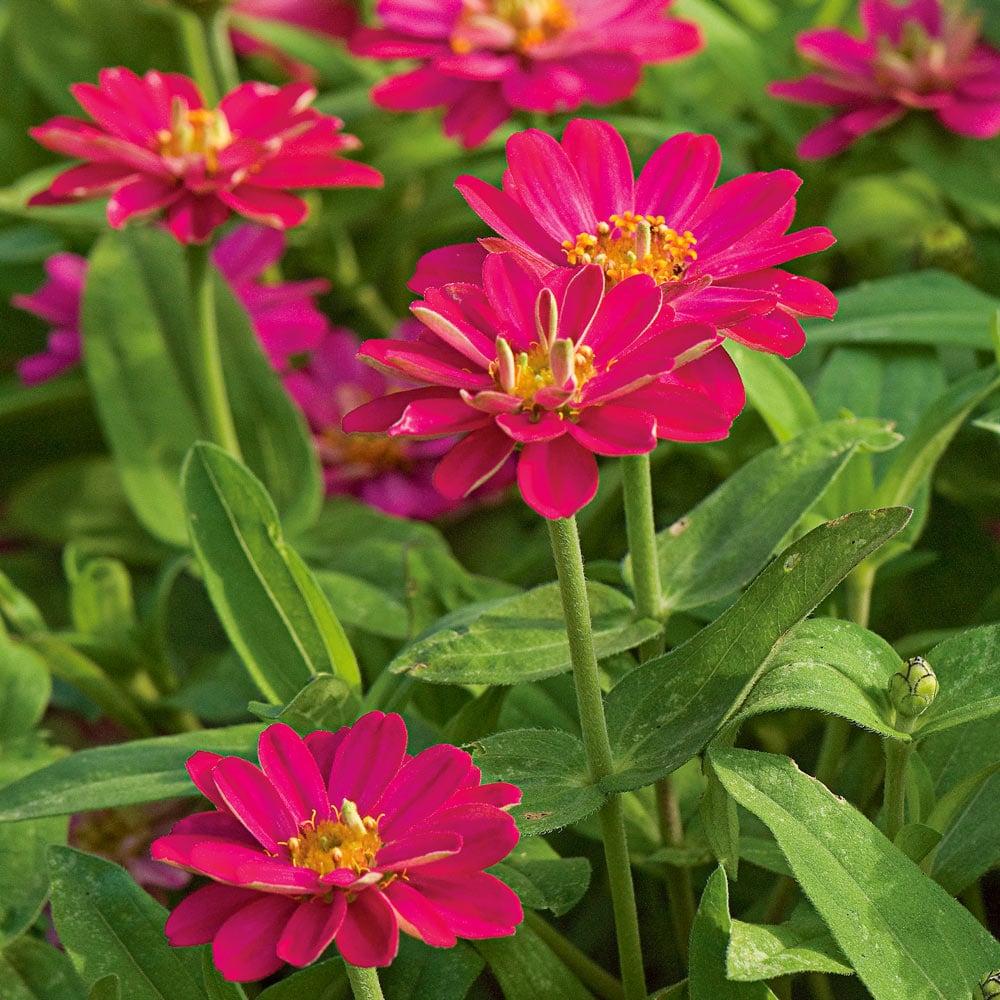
903, 934
542, 879
549, 767
106, 988
270, 604
419, 972
360, 604
25, 686
110, 925
33, 970
528, 970
321, 981
141, 771
326, 702
666, 710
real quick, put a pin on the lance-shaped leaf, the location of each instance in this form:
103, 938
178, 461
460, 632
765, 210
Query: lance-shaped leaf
34, 970
271, 606
520, 638
723, 542
902, 933
666, 710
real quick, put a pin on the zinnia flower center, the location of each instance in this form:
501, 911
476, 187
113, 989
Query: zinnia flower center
370, 454
634, 244
505, 25
349, 841
565, 366
195, 132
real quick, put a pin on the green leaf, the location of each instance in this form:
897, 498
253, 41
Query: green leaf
110, 925
666, 710
359, 604
521, 638
903, 934
526, 969
833, 666
721, 544
216, 986
101, 777
419, 972
25, 687
542, 879
925, 307
100, 596
321, 981
33, 970
551, 770
270, 604
775, 392
108, 987
707, 977
800, 944
326, 702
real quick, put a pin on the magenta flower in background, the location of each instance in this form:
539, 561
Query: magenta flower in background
154, 147
283, 314
340, 837
58, 302
712, 251
924, 55
482, 59
336, 19
556, 368
392, 474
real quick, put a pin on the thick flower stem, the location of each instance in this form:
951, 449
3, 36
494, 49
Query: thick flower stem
576, 612
640, 527
211, 382
600, 982
201, 63
364, 983
897, 755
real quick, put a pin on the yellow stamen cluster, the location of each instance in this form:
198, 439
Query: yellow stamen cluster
370, 452
195, 132
532, 370
349, 841
634, 244
518, 25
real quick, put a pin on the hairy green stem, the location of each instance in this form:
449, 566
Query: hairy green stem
576, 611
897, 755
211, 382
364, 983
596, 978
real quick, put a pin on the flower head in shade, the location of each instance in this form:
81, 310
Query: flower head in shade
391, 474
283, 314
557, 368
482, 59
154, 147
712, 251
336, 19
924, 55
340, 837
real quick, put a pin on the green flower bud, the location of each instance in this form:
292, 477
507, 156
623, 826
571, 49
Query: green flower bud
913, 688
989, 985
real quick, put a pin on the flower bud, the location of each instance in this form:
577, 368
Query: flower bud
912, 688
989, 985
562, 363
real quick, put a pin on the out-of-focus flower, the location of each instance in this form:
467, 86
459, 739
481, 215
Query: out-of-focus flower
924, 55
391, 474
482, 59
712, 251
57, 302
155, 148
336, 19
556, 367
340, 837
283, 314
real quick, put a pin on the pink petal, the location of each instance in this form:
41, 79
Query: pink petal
425, 362
523, 427
197, 917
603, 163
472, 461
512, 290
626, 311
90, 179
488, 836
435, 417
368, 760
271, 208
313, 925
292, 771
244, 253
459, 262
678, 177
476, 112
777, 333
458, 335
245, 946
615, 430
417, 849
315, 171
323, 746
417, 917
557, 478
193, 218
378, 415
142, 196
979, 120
251, 797
476, 905
369, 935
200, 767
682, 414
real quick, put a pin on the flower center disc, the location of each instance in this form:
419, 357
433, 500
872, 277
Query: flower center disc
347, 842
532, 371
371, 454
505, 25
199, 132
634, 244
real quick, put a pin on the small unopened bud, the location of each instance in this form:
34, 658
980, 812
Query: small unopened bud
562, 362
912, 688
351, 818
546, 317
989, 985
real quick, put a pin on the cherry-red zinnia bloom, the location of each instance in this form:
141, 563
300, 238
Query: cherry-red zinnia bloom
920, 56
712, 251
556, 368
340, 837
481, 59
154, 147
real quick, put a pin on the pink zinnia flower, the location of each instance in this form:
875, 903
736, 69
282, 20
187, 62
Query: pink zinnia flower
923, 55
283, 314
154, 147
483, 58
556, 367
711, 251
391, 474
340, 837
336, 19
